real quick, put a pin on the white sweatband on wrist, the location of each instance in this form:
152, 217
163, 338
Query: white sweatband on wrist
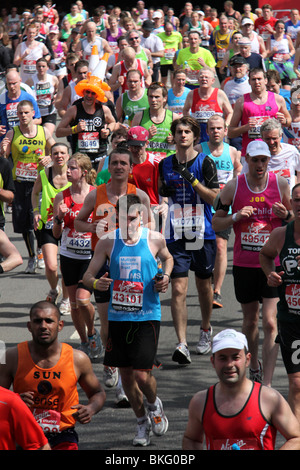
234, 217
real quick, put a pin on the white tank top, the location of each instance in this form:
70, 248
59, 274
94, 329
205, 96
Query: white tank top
44, 92
28, 65
87, 47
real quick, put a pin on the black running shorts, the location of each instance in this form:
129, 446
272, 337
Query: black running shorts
132, 344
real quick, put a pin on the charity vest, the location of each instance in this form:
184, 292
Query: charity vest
221, 42
202, 110
25, 154
55, 389
261, 112
44, 91
252, 233
158, 144
248, 429
89, 141
74, 244
133, 268
105, 209
131, 107
288, 307
189, 216
124, 70
48, 195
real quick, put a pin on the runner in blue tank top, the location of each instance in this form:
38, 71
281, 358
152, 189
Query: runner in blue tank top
134, 310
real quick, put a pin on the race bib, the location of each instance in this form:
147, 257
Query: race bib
49, 420
189, 220
29, 66
292, 297
26, 171
254, 132
279, 58
79, 243
88, 141
127, 296
254, 235
169, 54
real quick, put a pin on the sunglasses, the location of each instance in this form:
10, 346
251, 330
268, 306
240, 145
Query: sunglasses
135, 38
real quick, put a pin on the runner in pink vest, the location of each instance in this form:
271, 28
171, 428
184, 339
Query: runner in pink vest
260, 202
252, 109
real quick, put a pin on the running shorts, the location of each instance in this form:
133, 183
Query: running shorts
72, 271
288, 340
200, 261
250, 285
132, 344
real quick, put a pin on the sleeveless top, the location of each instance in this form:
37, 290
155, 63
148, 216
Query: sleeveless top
106, 209
25, 154
176, 103
282, 48
89, 141
158, 144
87, 47
202, 110
248, 429
133, 268
44, 91
131, 107
261, 112
113, 40
28, 65
288, 307
223, 163
48, 195
76, 245
55, 389
123, 73
252, 233
189, 216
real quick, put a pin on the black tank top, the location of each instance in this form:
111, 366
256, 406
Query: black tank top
89, 141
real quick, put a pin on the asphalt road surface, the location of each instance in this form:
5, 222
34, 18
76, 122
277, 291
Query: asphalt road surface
113, 429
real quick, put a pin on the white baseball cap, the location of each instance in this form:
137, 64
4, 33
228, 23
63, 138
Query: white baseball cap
257, 148
229, 339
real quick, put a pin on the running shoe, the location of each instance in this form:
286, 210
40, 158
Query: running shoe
159, 421
217, 300
53, 295
95, 345
256, 375
65, 307
84, 347
40, 260
121, 398
110, 376
182, 354
204, 345
142, 436
31, 266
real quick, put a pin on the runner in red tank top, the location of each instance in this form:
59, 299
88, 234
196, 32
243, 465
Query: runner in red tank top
236, 413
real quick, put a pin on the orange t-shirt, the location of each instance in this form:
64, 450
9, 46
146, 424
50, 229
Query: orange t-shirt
55, 389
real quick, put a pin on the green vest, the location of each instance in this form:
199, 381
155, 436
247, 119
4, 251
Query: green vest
25, 153
158, 143
142, 55
131, 107
48, 194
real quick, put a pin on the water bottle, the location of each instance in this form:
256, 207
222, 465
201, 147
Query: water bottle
186, 66
160, 274
126, 122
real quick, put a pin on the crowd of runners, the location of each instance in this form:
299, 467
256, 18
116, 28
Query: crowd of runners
132, 143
